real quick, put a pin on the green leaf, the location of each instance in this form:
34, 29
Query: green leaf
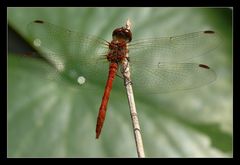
54, 118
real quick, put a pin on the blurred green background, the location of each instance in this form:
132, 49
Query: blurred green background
49, 119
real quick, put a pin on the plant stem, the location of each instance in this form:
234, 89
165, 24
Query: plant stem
131, 102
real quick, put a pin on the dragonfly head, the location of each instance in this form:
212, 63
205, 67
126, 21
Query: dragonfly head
122, 34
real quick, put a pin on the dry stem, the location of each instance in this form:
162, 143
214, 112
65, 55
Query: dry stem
131, 102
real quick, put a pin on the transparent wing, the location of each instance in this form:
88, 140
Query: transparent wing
72, 53
167, 77
64, 42
76, 55
174, 49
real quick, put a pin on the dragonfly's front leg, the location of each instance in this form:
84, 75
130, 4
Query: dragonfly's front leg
125, 71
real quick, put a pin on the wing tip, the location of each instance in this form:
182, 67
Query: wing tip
204, 66
38, 21
209, 32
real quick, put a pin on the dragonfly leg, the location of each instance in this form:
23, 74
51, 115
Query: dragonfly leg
119, 76
122, 77
124, 69
128, 82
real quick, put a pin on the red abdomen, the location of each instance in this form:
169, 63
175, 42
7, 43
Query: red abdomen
103, 108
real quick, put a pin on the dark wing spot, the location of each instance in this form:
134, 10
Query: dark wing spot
204, 66
209, 32
38, 21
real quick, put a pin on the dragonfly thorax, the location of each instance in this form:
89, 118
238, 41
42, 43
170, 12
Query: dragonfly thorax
117, 51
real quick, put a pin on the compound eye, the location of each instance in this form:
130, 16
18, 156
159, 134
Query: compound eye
122, 33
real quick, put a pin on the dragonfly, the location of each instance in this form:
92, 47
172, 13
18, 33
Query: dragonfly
158, 65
